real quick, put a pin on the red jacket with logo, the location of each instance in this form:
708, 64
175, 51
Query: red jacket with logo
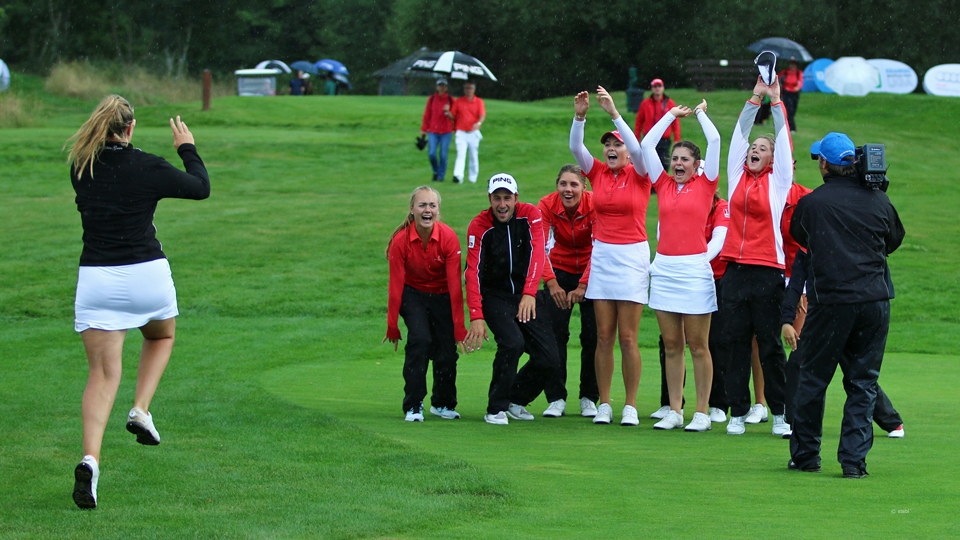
790, 246
651, 111
569, 242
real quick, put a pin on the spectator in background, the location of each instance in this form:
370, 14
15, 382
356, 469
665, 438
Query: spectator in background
330, 87
791, 79
296, 84
468, 115
438, 128
652, 110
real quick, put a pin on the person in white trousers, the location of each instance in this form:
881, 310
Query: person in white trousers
468, 114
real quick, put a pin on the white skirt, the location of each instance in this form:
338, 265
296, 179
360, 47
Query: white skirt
682, 284
124, 297
619, 272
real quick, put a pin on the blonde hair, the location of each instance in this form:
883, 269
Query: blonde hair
110, 119
409, 219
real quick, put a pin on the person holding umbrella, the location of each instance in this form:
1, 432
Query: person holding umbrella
468, 114
124, 280
438, 128
621, 256
791, 80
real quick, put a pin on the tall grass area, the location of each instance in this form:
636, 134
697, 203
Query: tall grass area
89, 82
280, 410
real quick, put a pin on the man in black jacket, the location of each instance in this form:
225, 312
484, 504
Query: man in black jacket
848, 229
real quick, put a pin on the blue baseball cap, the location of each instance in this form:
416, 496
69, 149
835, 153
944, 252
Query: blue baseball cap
835, 148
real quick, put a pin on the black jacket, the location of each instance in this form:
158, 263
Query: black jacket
848, 230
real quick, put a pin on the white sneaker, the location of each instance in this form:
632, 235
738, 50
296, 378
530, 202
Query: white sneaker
780, 425
660, 413
629, 416
415, 415
445, 413
604, 414
499, 419
735, 425
518, 412
86, 476
757, 414
588, 409
897, 433
141, 424
717, 415
788, 434
701, 422
556, 409
673, 419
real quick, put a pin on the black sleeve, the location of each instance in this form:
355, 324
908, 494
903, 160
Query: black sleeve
171, 182
791, 297
796, 228
896, 233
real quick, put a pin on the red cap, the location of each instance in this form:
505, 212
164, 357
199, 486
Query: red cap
614, 133
656, 82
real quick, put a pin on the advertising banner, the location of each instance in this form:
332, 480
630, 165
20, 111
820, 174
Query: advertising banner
942, 80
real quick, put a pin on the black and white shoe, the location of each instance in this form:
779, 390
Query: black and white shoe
141, 424
87, 474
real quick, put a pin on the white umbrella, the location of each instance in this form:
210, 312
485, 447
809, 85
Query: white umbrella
4, 76
274, 64
852, 76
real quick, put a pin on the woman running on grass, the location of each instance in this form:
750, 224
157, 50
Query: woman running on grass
425, 290
621, 256
681, 279
124, 280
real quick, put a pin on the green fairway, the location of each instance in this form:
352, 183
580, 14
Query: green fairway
280, 410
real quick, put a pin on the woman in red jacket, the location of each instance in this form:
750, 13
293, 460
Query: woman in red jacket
759, 177
568, 217
425, 290
621, 255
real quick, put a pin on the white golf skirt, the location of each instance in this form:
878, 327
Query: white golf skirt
682, 284
124, 297
619, 272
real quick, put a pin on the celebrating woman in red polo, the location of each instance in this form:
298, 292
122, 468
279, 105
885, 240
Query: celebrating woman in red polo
681, 279
425, 290
621, 256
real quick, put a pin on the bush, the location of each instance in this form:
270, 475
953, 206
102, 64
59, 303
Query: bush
137, 84
77, 80
13, 111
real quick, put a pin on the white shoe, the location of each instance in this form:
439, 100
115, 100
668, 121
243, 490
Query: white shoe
86, 476
787, 435
445, 413
556, 409
735, 425
780, 425
604, 414
673, 419
701, 422
499, 419
518, 412
141, 424
415, 415
588, 409
717, 415
660, 413
757, 414
629, 416
897, 433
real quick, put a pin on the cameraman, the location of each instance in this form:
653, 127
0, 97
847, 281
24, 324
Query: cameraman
848, 229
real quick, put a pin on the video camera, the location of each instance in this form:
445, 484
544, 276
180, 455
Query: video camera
871, 162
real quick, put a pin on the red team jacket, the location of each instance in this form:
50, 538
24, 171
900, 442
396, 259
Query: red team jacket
651, 111
569, 243
790, 246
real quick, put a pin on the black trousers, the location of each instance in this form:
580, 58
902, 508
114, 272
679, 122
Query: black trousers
430, 336
790, 102
752, 298
513, 338
884, 414
717, 390
852, 336
560, 319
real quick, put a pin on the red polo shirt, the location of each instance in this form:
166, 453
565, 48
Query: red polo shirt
467, 112
620, 201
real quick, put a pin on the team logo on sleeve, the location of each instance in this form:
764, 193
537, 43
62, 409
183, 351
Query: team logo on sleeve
726, 212
471, 241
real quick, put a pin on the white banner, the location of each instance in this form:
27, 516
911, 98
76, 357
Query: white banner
895, 77
943, 80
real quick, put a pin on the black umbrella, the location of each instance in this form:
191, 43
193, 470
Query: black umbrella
457, 64
784, 48
305, 67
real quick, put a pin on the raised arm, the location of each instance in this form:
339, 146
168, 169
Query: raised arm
740, 141
711, 168
628, 136
782, 174
581, 104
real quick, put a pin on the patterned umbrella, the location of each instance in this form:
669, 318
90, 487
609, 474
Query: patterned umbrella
457, 64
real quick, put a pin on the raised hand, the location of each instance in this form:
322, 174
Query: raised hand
181, 134
702, 107
606, 102
681, 111
760, 88
581, 103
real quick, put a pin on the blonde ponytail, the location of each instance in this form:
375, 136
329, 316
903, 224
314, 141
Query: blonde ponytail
409, 219
110, 119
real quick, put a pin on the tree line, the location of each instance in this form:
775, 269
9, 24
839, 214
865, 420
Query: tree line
536, 49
